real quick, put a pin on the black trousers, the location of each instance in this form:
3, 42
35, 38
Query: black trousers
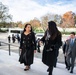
50, 70
66, 62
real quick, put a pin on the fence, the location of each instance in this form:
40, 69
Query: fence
3, 44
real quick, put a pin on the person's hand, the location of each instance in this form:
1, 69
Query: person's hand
34, 51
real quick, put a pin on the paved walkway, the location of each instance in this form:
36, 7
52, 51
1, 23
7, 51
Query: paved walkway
9, 65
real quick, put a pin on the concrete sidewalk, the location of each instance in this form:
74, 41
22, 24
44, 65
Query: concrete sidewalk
9, 65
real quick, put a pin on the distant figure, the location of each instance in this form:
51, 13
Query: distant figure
13, 38
18, 38
64, 48
9, 39
71, 51
38, 45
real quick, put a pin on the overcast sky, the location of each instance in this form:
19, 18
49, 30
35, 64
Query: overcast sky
25, 10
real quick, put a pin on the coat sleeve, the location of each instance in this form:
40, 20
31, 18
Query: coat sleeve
43, 38
34, 41
21, 41
58, 42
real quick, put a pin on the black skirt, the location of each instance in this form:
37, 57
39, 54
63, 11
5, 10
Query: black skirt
26, 56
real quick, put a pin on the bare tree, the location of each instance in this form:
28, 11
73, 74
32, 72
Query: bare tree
50, 17
4, 16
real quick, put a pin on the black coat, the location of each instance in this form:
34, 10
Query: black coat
28, 45
48, 57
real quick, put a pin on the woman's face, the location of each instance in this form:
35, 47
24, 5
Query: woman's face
28, 28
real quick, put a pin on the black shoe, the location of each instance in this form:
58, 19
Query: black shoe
68, 68
50, 74
26, 69
71, 71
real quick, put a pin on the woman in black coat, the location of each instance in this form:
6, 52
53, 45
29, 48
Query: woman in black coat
27, 46
52, 42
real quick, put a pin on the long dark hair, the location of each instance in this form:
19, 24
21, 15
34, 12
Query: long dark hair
53, 31
26, 26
